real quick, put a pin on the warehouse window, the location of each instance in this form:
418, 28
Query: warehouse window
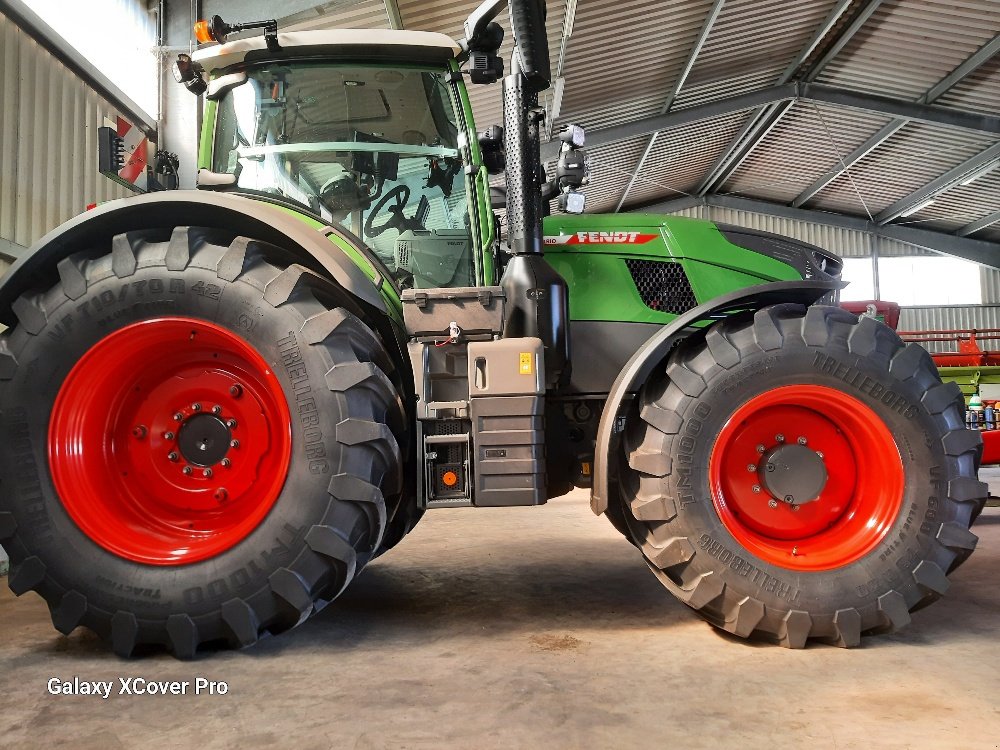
858, 271
914, 280
929, 280
117, 36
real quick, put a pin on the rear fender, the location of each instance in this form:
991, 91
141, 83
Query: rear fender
656, 349
258, 220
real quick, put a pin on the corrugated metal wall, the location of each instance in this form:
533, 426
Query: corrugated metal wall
48, 140
847, 243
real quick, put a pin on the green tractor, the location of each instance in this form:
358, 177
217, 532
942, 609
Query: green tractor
217, 406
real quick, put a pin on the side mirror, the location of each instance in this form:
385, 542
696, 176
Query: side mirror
527, 19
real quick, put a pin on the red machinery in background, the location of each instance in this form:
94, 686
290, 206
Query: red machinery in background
966, 361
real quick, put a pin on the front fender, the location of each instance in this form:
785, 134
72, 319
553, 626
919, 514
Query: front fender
252, 218
656, 349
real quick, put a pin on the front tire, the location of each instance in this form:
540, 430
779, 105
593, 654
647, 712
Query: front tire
201, 443
801, 474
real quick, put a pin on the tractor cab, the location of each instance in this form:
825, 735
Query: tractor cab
371, 137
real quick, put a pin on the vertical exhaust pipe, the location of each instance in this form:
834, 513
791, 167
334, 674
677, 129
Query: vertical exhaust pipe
537, 296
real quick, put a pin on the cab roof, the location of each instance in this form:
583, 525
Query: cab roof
361, 44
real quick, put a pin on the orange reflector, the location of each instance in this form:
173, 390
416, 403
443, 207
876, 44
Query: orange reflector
449, 478
202, 32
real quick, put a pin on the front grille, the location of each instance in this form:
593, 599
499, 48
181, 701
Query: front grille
663, 285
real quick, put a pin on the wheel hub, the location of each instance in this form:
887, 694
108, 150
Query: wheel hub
806, 477
793, 474
170, 441
204, 440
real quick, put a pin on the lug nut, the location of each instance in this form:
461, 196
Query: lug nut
139, 432
196, 406
772, 503
751, 467
216, 409
789, 499
819, 453
168, 436
779, 437
226, 463
796, 507
187, 470
178, 417
802, 441
795, 551
236, 390
234, 443
206, 473
221, 495
756, 488
231, 424
173, 456
760, 448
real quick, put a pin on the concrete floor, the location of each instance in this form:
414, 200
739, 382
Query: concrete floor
526, 628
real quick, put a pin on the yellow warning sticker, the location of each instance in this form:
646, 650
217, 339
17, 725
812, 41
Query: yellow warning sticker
527, 366
585, 468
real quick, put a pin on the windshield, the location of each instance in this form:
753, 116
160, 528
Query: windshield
372, 149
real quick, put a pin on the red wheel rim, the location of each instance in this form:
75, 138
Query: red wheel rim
857, 503
169, 441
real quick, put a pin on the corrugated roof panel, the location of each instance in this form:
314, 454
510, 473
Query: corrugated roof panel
809, 140
622, 50
608, 115
752, 36
961, 205
909, 45
610, 169
681, 156
359, 14
906, 162
449, 18
693, 95
980, 92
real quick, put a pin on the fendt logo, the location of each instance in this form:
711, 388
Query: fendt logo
600, 238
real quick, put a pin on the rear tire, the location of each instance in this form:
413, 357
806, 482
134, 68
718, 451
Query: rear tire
144, 586
788, 571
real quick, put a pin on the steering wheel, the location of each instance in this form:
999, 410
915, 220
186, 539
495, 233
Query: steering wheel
401, 194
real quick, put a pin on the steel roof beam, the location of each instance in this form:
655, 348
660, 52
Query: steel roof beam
986, 221
859, 20
392, 14
763, 120
760, 124
558, 80
982, 55
679, 117
969, 169
978, 251
810, 91
885, 105
706, 29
